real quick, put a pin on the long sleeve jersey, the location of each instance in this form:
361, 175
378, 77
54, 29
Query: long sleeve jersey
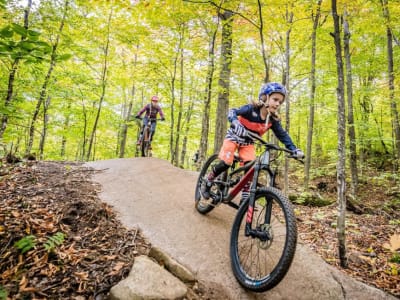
250, 117
151, 111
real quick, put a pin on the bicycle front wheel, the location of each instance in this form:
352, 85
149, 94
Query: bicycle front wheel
261, 259
144, 149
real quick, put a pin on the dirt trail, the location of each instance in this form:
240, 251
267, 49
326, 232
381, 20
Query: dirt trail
151, 194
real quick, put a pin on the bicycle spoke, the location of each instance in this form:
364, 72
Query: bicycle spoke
260, 261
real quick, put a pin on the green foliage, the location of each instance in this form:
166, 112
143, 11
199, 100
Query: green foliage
395, 222
395, 258
53, 241
308, 198
26, 243
3, 293
29, 242
17, 42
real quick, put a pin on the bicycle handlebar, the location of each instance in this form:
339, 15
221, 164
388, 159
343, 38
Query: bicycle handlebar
150, 119
255, 136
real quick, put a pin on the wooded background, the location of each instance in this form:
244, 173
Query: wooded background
72, 73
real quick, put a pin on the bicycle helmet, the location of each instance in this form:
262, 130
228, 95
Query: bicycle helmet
272, 87
154, 98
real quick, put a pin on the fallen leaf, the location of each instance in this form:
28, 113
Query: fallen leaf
394, 243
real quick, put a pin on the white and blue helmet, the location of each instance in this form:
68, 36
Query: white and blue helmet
272, 87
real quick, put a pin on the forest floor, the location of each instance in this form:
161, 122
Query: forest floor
58, 240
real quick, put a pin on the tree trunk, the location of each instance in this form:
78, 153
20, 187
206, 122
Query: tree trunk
263, 51
44, 129
312, 96
103, 88
286, 75
85, 131
65, 127
43, 91
350, 115
124, 129
179, 121
128, 112
11, 76
224, 79
187, 129
171, 138
205, 122
393, 105
341, 123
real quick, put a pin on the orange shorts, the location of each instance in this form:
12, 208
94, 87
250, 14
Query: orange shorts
227, 152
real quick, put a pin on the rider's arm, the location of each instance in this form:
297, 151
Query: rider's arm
140, 113
160, 111
282, 134
235, 112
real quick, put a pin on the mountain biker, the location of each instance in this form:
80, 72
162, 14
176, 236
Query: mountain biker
151, 109
257, 117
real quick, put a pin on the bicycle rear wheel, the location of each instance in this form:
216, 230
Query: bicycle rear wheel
260, 263
203, 205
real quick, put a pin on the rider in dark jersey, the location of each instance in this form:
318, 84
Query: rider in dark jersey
257, 117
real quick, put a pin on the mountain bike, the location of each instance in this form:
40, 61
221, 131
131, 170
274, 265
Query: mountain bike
264, 231
144, 147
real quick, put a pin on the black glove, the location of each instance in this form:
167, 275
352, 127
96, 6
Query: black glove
137, 117
238, 129
162, 119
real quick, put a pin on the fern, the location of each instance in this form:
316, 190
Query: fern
3, 293
26, 243
53, 241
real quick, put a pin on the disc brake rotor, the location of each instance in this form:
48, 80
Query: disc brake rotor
266, 244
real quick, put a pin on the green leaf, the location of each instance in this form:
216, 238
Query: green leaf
63, 57
19, 29
6, 32
33, 33
27, 45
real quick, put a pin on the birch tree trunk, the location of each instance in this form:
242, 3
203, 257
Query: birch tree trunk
341, 123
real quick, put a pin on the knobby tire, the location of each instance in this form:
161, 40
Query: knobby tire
202, 205
260, 265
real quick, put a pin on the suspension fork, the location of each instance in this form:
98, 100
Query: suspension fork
256, 233
253, 188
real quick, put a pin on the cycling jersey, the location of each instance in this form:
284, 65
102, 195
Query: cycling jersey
151, 111
250, 117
